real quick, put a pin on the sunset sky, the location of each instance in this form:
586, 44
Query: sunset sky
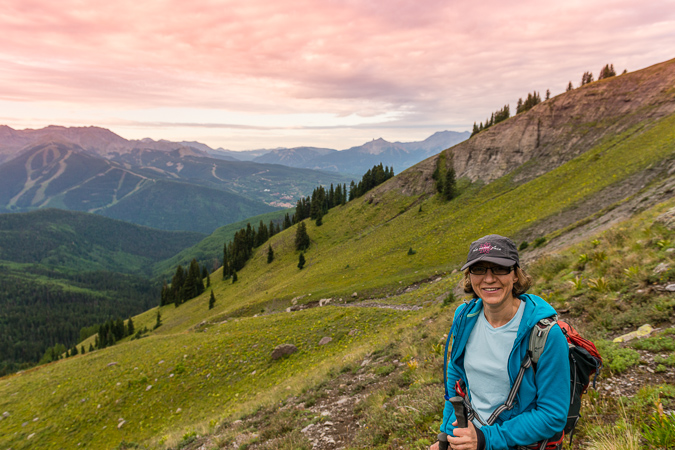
328, 73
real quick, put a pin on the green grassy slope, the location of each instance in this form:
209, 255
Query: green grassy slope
360, 247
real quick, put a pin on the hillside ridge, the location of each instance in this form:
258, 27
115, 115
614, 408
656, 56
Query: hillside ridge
554, 131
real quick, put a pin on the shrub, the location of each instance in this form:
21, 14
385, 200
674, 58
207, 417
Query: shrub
615, 358
523, 245
538, 242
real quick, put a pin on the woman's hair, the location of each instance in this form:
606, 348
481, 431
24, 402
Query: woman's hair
519, 287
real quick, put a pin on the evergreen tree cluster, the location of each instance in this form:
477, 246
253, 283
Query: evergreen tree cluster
498, 116
186, 284
373, 177
445, 184
586, 78
112, 331
318, 204
607, 72
240, 249
532, 100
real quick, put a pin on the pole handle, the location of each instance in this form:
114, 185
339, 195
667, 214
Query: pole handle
460, 411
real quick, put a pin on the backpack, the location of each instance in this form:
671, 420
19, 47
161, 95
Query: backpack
585, 361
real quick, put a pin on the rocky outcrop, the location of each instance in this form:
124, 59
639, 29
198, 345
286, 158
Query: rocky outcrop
283, 350
553, 132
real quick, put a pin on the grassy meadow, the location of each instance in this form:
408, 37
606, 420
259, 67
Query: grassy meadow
202, 367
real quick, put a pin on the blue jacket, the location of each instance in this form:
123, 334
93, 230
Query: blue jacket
540, 408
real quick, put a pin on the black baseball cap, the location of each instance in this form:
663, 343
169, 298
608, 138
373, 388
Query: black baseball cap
493, 248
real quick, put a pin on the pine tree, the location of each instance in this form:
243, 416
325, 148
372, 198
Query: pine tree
301, 261
270, 254
302, 238
226, 263
130, 327
450, 185
91, 347
158, 323
234, 277
82, 349
74, 351
569, 87
212, 300
319, 219
548, 94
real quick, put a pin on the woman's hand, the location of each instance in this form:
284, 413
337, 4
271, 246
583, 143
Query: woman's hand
464, 438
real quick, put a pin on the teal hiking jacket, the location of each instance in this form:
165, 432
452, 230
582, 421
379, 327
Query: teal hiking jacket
541, 405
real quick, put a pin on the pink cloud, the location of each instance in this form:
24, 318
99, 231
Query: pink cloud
433, 61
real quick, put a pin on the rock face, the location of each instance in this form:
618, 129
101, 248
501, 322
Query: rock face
553, 132
283, 350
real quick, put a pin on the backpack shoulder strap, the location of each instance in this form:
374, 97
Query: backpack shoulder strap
538, 337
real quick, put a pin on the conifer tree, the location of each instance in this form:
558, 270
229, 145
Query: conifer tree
74, 351
82, 350
91, 347
270, 254
301, 261
302, 238
569, 87
158, 323
287, 221
212, 300
130, 327
234, 277
450, 185
226, 263
548, 94
319, 219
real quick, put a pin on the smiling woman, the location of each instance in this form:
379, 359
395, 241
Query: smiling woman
490, 337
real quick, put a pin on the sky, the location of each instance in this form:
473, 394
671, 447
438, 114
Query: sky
253, 74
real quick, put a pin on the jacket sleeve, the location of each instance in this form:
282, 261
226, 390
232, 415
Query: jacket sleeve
549, 414
452, 375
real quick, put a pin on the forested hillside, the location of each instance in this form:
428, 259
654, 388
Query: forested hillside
63, 270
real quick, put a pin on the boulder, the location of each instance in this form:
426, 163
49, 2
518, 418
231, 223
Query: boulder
283, 350
354, 295
325, 340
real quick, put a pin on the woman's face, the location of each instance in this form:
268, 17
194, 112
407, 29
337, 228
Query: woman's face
495, 290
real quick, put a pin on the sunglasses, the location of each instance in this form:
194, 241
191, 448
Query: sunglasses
496, 270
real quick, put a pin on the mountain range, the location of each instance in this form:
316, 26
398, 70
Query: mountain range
174, 186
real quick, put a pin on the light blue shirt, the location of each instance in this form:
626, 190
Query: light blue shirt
486, 362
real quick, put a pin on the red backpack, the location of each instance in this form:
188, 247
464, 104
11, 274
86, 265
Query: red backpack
585, 362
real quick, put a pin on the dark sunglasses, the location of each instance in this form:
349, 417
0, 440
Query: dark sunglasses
496, 270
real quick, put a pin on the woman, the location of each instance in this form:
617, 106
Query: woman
490, 336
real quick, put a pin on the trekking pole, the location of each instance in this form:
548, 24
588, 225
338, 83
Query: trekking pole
460, 411
460, 414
